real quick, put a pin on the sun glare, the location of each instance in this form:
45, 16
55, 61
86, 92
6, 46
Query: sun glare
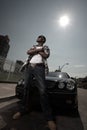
64, 21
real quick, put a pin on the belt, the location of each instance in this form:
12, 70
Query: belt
37, 64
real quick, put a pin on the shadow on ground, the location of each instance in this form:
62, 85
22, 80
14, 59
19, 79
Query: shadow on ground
66, 120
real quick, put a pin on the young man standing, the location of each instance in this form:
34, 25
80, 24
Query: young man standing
38, 53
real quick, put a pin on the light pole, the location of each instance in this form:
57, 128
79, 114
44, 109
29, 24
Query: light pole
60, 68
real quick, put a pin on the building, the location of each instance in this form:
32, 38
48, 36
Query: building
4, 45
18, 65
4, 48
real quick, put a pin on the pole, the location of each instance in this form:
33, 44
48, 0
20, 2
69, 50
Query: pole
63, 66
9, 71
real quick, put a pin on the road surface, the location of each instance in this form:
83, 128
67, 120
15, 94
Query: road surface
7, 90
66, 120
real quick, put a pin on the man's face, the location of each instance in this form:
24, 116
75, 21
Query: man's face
40, 40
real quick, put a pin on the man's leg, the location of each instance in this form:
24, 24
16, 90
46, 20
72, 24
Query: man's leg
39, 73
24, 103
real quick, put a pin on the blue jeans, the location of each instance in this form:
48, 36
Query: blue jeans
39, 73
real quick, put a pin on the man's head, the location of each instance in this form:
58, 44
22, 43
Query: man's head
41, 39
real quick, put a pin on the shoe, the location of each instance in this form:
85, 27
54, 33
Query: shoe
52, 125
16, 115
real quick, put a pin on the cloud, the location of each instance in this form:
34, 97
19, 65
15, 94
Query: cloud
79, 66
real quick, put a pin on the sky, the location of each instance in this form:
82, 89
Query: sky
24, 20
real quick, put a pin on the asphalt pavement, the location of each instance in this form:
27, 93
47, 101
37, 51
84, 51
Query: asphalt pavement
35, 120
7, 90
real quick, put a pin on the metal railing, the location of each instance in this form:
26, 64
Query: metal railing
9, 70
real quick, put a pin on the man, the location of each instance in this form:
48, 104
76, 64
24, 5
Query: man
36, 67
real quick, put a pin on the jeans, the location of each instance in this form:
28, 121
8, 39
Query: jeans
39, 73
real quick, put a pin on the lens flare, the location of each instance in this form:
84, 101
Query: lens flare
64, 21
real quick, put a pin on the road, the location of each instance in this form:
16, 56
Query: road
82, 96
7, 90
35, 120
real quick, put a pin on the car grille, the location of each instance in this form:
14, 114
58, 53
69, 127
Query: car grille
50, 84
53, 87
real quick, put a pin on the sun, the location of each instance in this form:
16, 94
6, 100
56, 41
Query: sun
64, 21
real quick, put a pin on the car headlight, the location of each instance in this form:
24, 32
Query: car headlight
20, 82
61, 85
70, 86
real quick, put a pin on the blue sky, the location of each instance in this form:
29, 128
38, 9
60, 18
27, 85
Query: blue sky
24, 20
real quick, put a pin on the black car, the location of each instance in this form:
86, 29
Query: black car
61, 89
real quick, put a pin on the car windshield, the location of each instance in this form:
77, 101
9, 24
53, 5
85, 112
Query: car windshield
58, 74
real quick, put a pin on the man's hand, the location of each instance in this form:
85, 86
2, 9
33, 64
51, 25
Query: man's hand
43, 54
35, 50
39, 49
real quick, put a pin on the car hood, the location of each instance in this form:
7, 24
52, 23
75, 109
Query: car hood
56, 79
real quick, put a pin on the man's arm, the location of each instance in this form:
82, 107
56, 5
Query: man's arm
46, 52
44, 55
33, 51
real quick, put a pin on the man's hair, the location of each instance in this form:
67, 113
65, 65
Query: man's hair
43, 38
